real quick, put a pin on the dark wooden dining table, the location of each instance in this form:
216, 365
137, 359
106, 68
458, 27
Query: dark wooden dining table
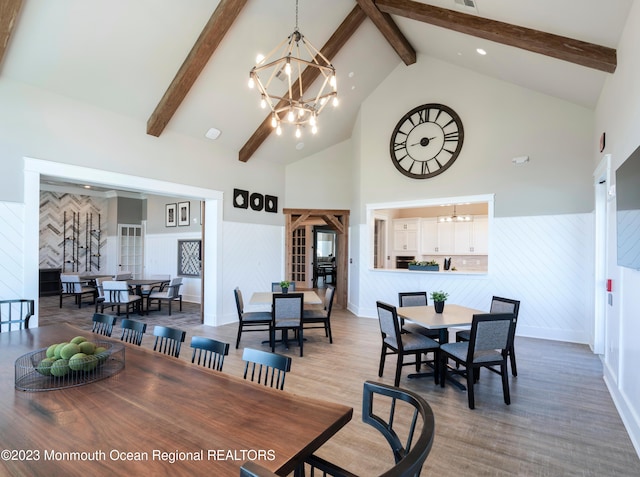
158, 416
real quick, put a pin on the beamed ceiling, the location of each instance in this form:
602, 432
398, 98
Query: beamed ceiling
194, 57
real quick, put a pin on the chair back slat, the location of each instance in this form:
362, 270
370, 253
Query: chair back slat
168, 340
263, 367
15, 314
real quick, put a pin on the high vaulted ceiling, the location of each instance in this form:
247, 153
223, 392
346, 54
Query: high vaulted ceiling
183, 66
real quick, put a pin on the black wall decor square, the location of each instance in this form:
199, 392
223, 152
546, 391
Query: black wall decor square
240, 198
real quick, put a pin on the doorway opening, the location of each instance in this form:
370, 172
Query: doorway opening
324, 261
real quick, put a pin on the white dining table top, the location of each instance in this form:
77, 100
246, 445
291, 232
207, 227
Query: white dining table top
266, 298
452, 316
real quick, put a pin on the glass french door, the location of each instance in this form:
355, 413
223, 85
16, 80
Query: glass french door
131, 249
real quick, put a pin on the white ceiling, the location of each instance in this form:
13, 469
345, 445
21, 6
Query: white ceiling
121, 55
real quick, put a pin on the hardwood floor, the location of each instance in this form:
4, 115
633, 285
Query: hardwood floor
561, 421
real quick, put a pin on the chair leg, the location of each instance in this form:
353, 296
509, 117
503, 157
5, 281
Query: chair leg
329, 331
300, 340
505, 382
418, 361
169, 307
470, 379
239, 334
396, 381
443, 369
382, 358
512, 356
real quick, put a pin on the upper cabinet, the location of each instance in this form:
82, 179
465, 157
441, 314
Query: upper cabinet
454, 238
405, 235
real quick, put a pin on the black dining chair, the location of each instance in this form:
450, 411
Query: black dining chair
168, 340
103, 324
418, 430
252, 320
209, 352
417, 298
314, 318
132, 331
499, 305
403, 344
287, 315
263, 367
488, 347
15, 314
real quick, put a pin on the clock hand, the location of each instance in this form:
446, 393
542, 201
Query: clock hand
424, 141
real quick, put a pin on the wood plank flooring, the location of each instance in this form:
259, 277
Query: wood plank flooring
561, 421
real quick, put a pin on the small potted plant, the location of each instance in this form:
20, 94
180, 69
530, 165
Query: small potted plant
438, 298
431, 265
284, 285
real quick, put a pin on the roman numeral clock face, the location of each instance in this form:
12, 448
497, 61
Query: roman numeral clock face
426, 141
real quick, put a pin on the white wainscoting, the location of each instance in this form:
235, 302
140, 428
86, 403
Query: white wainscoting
253, 257
161, 257
546, 262
12, 251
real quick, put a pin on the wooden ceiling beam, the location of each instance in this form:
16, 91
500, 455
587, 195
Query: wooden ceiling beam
339, 38
390, 31
9, 10
214, 31
560, 47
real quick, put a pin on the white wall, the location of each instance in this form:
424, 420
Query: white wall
618, 114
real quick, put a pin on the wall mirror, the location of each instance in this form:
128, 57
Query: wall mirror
453, 233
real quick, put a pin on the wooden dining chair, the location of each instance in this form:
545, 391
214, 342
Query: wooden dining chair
417, 298
269, 369
403, 344
168, 340
209, 352
287, 311
418, 430
103, 324
314, 318
132, 331
499, 305
15, 314
488, 347
252, 320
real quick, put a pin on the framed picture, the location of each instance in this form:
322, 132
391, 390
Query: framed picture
189, 258
183, 213
171, 215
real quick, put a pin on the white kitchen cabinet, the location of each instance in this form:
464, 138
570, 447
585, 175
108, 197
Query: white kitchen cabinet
446, 238
429, 236
480, 242
472, 238
405, 235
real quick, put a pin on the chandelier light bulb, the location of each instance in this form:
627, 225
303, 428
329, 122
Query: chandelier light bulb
279, 130
298, 132
314, 129
335, 101
333, 83
263, 102
291, 116
251, 82
287, 68
301, 112
312, 120
274, 121
259, 58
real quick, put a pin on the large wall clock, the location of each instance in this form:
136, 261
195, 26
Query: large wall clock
426, 141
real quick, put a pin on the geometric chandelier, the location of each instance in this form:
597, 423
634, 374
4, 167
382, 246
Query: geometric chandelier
279, 80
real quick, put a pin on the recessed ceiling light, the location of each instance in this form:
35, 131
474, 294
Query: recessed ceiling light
300, 146
213, 133
481, 51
